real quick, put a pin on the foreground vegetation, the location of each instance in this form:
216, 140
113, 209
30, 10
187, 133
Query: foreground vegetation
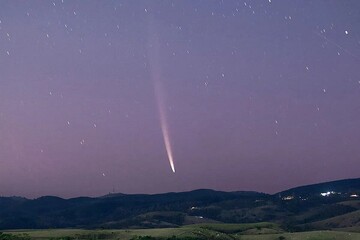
256, 231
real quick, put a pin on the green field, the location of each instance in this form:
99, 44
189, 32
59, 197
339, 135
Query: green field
257, 231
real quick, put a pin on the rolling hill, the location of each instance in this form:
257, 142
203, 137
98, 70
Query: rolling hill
330, 205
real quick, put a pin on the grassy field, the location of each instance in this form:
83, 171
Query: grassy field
257, 231
315, 235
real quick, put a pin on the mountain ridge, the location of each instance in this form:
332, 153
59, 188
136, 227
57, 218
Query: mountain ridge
117, 194
290, 208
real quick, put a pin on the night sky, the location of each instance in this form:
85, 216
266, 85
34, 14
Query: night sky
249, 95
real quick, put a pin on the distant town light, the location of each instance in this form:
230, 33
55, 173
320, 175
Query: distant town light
287, 198
326, 194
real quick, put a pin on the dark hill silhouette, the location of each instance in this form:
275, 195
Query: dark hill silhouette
303, 206
346, 186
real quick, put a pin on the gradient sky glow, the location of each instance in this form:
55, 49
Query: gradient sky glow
260, 95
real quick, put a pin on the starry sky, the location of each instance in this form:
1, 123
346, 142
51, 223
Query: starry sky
253, 95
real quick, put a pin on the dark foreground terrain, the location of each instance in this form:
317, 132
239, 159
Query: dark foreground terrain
321, 210
256, 231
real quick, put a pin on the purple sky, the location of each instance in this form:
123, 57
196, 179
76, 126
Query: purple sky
259, 95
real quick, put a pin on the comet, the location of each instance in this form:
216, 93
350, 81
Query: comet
155, 70
164, 123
